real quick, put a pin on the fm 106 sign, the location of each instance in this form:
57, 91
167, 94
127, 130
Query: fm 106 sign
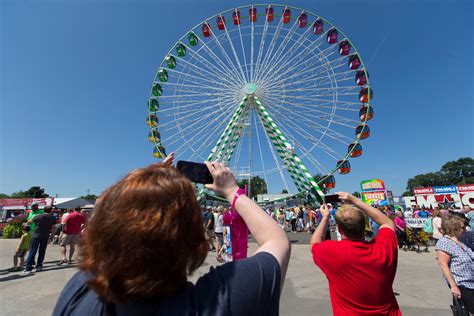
430, 197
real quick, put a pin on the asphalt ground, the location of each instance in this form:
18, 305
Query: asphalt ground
419, 287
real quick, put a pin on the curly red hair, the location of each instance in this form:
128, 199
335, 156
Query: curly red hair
145, 237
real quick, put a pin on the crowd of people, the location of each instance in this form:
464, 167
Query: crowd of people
148, 234
47, 226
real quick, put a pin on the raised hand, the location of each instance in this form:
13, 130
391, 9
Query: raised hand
224, 181
168, 161
324, 210
346, 197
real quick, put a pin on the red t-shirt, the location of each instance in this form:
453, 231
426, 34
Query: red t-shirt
360, 274
73, 223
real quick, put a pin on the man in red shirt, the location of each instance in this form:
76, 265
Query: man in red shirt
71, 232
360, 273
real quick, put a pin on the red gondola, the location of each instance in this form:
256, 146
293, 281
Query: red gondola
253, 14
303, 20
344, 48
354, 61
269, 13
361, 78
318, 26
362, 131
365, 95
344, 167
366, 113
236, 17
286, 15
355, 150
329, 182
221, 22
332, 36
206, 29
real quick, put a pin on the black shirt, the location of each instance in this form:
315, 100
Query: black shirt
246, 287
44, 224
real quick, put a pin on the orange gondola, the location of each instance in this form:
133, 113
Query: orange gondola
355, 150
362, 131
329, 182
365, 94
344, 167
366, 113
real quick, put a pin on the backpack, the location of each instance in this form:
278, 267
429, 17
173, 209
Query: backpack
428, 226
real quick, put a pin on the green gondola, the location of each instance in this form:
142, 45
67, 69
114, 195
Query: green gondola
153, 105
193, 39
157, 90
162, 75
180, 50
170, 61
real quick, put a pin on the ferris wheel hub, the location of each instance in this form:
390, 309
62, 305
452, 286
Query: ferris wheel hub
250, 88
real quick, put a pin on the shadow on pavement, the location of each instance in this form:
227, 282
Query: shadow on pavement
14, 277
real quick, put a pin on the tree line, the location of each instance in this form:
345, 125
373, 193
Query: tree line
456, 172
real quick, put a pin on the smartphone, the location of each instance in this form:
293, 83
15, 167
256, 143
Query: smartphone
331, 198
194, 171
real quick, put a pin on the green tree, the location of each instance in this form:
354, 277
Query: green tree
4, 196
33, 192
89, 197
257, 186
456, 172
318, 177
284, 191
460, 171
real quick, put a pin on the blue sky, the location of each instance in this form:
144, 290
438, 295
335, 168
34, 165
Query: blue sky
75, 78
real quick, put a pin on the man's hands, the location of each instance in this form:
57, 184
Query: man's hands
324, 210
224, 181
346, 197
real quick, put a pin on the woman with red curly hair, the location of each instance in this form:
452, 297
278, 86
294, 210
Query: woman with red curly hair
146, 237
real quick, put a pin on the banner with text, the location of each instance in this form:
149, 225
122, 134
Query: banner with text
415, 222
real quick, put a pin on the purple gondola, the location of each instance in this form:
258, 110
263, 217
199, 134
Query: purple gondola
344, 48
332, 36
354, 61
318, 26
303, 20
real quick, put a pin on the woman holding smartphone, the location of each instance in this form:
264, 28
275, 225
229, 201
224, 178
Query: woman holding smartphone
146, 237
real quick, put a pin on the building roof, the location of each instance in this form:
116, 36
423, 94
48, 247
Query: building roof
78, 202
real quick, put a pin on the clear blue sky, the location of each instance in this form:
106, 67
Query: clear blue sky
75, 78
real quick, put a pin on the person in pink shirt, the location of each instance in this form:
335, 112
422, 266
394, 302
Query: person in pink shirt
400, 227
437, 224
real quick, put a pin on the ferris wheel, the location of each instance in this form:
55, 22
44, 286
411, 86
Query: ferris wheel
273, 91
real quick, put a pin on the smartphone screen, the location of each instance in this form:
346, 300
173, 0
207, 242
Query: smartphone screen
331, 198
194, 171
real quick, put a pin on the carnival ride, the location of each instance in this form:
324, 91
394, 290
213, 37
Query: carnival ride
273, 91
